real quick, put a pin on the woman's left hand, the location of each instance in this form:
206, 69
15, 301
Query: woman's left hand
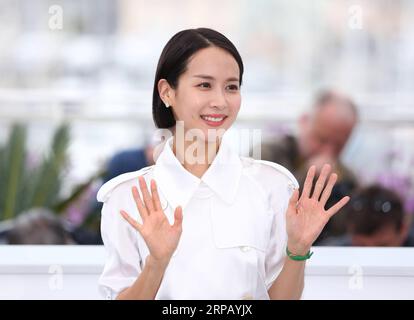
306, 216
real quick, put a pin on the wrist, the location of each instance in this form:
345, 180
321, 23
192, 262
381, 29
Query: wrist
157, 264
298, 249
296, 257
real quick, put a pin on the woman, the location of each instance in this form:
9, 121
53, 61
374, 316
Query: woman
213, 225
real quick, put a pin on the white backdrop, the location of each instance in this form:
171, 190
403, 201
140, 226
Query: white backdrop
71, 272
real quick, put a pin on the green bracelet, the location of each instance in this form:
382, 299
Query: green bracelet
298, 258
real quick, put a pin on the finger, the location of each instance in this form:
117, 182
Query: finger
178, 217
155, 196
335, 208
143, 212
328, 190
293, 201
131, 221
320, 183
307, 186
146, 195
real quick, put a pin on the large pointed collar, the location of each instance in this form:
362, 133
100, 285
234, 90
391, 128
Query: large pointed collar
178, 185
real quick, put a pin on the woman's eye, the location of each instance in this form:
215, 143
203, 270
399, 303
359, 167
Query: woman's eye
233, 87
204, 85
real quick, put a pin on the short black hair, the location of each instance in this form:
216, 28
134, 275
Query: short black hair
173, 62
373, 208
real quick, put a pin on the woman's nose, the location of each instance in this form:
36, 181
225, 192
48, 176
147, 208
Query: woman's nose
218, 100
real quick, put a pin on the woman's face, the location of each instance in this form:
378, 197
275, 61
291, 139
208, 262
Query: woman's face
207, 96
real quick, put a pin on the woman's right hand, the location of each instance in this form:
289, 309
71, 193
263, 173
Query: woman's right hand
161, 237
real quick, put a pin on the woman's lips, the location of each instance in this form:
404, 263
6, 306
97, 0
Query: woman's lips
214, 120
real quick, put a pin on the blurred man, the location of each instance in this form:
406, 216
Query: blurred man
135, 159
323, 134
128, 161
375, 217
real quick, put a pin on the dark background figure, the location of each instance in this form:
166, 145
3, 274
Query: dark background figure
128, 161
374, 217
322, 136
38, 226
122, 162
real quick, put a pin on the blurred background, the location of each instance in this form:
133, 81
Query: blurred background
76, 83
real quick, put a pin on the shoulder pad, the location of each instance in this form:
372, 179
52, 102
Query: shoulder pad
106, 189
282, 170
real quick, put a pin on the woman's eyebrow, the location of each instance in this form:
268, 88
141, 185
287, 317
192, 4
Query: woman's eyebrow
203, 76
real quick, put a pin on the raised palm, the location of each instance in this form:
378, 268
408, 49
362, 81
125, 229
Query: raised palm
306, 216
160, 236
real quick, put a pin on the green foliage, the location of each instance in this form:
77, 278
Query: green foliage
12, 171
23, 186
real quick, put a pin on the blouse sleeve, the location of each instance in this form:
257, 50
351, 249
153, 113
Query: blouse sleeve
123, 261
281, 186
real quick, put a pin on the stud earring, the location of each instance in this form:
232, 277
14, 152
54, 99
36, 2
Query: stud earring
167, 105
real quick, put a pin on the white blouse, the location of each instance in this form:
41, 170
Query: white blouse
234, 234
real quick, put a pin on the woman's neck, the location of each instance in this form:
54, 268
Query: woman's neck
196, 156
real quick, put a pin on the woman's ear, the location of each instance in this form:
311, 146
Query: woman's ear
166, 92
